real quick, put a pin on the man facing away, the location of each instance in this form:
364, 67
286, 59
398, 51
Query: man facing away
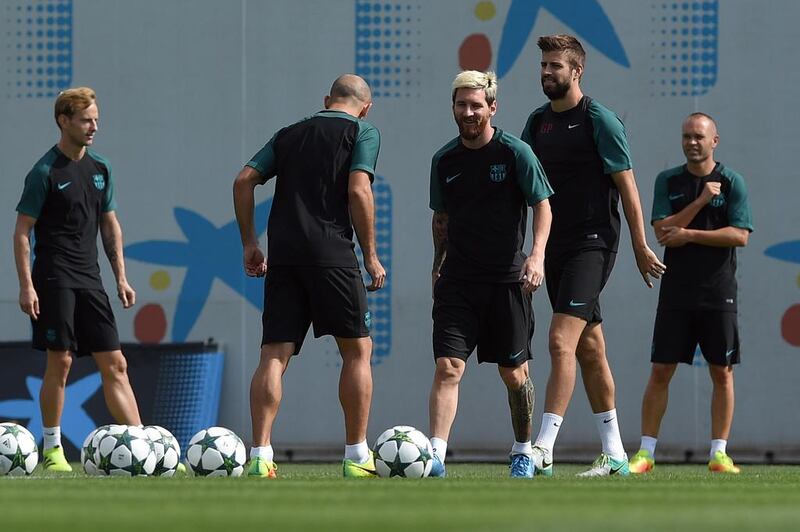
584, 151
68, 196
481, 185
701, 214
324, 165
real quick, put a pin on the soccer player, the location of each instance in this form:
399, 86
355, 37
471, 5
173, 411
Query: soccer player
68, 196
584, 150
481, 185
701, 215
324, 165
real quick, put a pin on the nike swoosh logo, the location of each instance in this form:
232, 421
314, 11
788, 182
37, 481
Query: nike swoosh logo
545, 465
609, 420
574, 304
571, 126
675, 196
729, 353
613, 471
62, 186
518, 353
556, 425
447, 181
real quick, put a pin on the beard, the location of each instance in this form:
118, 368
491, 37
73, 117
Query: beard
555, 90
471, 130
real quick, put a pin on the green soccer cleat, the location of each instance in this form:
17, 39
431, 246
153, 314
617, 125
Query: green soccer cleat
54, 460
722, 463
262, 468
606, 466
181, 469
352, 469
542, 461
642, 462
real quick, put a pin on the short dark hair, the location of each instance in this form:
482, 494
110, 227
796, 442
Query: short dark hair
564, 43
698, 114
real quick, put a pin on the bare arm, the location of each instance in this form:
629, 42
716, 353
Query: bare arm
255, 264
28, 299
111, 233
685, 216
646, 260
439, 230
724, 237
362, 213
533, 269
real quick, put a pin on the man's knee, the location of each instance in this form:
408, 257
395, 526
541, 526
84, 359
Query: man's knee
661, 374
58, 364
721, 376
514, 378
112, 365
449, 370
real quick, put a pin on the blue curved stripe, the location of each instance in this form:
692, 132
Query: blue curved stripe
785, 251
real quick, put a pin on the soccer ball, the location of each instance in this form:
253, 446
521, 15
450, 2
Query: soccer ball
125, 451
216, 452
89, 448
403, 451
168, 452
18, 452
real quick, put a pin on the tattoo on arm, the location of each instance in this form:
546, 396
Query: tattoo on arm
521, 403
439, 228
112, 246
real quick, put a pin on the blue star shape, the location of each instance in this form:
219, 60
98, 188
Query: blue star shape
209, 253
586, 17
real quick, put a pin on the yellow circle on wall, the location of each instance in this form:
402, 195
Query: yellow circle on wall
485, 10
160, 280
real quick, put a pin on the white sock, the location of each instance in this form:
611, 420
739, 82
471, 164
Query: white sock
52, 437
358, 452
548, 432
608, 427
649, 445
439, 448
265, 453
718, 445
522, 448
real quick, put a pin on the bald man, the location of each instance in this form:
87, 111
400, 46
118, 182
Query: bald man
324, 166
700, 215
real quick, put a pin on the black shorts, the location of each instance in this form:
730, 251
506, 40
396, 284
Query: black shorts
74, 319
574, 282
677, 333
495, 317
333, 299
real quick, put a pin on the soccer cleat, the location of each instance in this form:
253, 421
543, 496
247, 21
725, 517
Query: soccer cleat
437, 468
262, 468
642, 462
605, 466
181, 468
521, 466
54, 460
542, 461
352, 469
722, 463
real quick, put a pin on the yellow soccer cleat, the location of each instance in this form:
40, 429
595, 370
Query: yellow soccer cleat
642, 462
54, 460
262, 468
722, 463
352, 469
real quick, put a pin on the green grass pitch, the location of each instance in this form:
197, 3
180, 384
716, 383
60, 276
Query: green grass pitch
473, 497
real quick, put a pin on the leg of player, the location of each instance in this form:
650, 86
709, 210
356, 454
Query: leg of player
722, 402
355, 394
266, 390
654, 406
442, 407
51, 402
520, 402
117, 389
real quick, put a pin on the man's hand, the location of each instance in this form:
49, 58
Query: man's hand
29, 302
376, 272
255, 264
673, 237
649, 265
710, 190
126, 294
532, 274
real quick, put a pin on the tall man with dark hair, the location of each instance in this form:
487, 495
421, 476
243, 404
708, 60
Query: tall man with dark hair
584, 150
701, 214
324, 165
68, 196
482, 183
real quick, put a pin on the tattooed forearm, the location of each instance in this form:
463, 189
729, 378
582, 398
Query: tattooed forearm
521, 403
439, 228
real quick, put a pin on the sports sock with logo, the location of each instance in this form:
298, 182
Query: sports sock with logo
649, 445
522, 448
52, 437
358, 452
608, 427
265, 453
439, 448
718, 445
548, 432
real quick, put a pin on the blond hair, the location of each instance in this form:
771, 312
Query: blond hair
474, 79
71, 101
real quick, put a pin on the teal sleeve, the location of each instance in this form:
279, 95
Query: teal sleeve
264, 160
109, 202
738, 205
530, 176
34, 194
527, 134
365, 153
610, 139
436, 200
662, 207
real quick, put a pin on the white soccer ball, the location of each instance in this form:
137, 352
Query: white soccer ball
89, 447
403, 451
216, 452
167, 449
18, 452
124, 451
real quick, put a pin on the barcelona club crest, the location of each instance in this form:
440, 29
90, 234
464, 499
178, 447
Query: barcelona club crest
99, 182
718, 201
497, 173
